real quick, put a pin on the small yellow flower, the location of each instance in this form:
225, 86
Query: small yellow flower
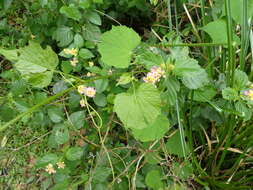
91, 64
50, 169
61, 165
33, 36
81, 89
82, 103
71, 51
89, 74
74, 61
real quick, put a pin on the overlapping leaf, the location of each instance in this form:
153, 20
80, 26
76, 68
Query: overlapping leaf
117, 46
140, 108
34, 63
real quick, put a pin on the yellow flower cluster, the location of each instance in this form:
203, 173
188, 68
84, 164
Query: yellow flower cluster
71, 51
74, 53
50, 168
154, 75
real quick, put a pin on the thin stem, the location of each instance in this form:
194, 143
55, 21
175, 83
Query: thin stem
231, 51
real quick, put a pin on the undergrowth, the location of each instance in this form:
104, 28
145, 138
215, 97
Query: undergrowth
126, 94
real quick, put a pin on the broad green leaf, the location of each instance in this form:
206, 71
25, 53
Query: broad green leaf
155, 131
244, 111
184, 170
59, 86
152, 157
174, 145
150, 59
192, 75
218, 31
93, 17
47, 159
78, 41
101, 85
204, 94
125, 79
153, 180
140, 108
60, 134
63, 35
55, 114
101, 174
229, 94
77, 119
91, 33
117, 46
40, 80
66, 67
195, 80
170, 95
34, 63
71, 12
237, 10
85, 53
74, 153
240, 79
84, 4
100, 100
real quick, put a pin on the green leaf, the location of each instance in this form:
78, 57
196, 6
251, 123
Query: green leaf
74, 153
124, 79
91, 33
241, 79
101, 85
59, 86
155, 131
244, 111
100, 100
140, 108
101, 174
77, 119
170, 95
85, 53
55, 114
34, 63
78, 41
218, 31
71, 12
7, 3
60, 134
150, 59
93, 17
117, 46
84, 4
153, 180
204, 94
184, 170
66, 67
237, 10
63, 35
229, 94
192, 75
174, 145
47, 159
